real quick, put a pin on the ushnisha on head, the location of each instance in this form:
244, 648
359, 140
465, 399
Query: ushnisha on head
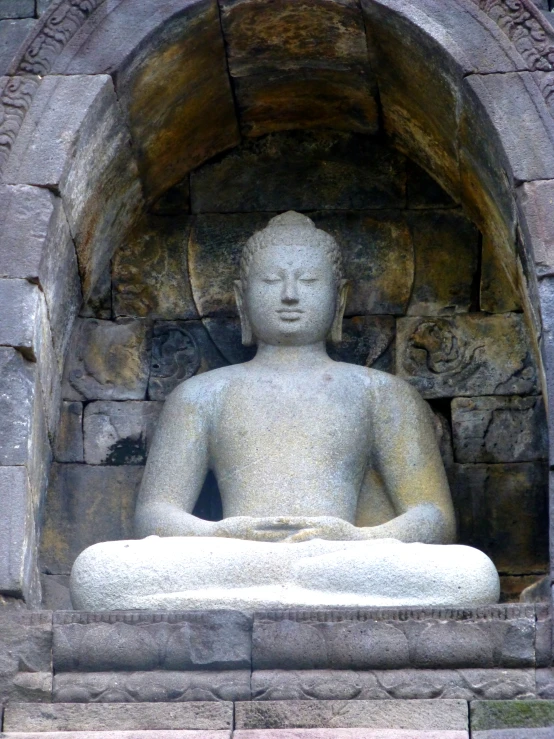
291, 290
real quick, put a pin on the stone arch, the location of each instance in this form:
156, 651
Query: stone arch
102, 96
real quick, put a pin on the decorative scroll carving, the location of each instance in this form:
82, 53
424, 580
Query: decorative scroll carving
15, 99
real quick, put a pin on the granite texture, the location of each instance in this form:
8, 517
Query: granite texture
393, 639
16, 561
466, 355
494, 715
151, 687
108, 361
26, 661
499, 429
12, 35
447, 715
212, 640
110, 733
348, 734
118, 432
69, 437
127, 717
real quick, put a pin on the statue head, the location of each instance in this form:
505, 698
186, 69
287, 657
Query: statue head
291, 290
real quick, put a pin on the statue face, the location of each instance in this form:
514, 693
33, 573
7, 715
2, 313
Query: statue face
291, 295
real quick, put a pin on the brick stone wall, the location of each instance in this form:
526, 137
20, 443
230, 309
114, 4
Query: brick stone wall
422, 305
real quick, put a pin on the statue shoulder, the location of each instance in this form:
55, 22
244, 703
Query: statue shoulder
201, 390
392, 390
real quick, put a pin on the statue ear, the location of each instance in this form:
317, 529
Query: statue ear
336, 328
246, 328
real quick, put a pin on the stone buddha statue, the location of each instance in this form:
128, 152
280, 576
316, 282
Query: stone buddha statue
332, 485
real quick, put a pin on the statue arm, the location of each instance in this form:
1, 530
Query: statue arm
408, 461
176, 469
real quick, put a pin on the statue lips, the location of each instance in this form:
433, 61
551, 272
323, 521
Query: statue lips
290, 314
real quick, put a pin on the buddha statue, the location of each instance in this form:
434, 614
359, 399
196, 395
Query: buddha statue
332, 485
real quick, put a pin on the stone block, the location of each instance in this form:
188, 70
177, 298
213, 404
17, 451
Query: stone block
423, 191
17, 9
148, 734
306, 98
514, 734
179, 351
210, 640
466, 355
498, 289
545, 683
126, 717
107, 361
446, 246
26, 648
86, 155
150, 272
345, 734
12, 35
69, 438
55, 592
536, 206
151, 687
180, 114
86, 504
447, 715
16, 561
499, 429
301, 170
494, 715
119, 433
99, 303
284, 35
394, 639
368, 341
20, 430
377, 251
502, 509
405, 684
37, 246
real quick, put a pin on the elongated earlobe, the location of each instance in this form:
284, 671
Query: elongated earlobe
336, 328
246, 328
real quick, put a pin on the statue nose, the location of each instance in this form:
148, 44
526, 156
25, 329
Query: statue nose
290, 292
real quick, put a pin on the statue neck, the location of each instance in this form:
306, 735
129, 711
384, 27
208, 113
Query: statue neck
285, 358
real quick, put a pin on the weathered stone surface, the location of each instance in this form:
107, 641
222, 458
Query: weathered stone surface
541, 591
127, 717
179, 351
69, 438
392, 639
502, 509
17, 8
26, 659
423, 191
37, 246
150, 273
498, 291
107, 361
12, 36
99, 303
403, 684
55, 592
86, 155
446, 246
536, 206
444, 437
302, 170
466, 355
148, 734
209, 640
490, 715
512, 587
16, 564
368, 341
444, 715
150, 687
119, 433
378, 259
215, 246
305, 98
20, 429
180, 114
514, 734
345, 734
225, 332
545, 683
289, 35
499, 429
24, 325
86, 504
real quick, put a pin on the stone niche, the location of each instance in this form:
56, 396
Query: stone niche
422, 305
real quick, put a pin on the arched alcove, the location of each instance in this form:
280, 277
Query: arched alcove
109, 108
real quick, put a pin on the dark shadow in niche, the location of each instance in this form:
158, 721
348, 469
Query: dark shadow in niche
130, 450
208, 506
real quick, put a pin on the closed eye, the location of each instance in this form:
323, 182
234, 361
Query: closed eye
271, 280
308, 280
